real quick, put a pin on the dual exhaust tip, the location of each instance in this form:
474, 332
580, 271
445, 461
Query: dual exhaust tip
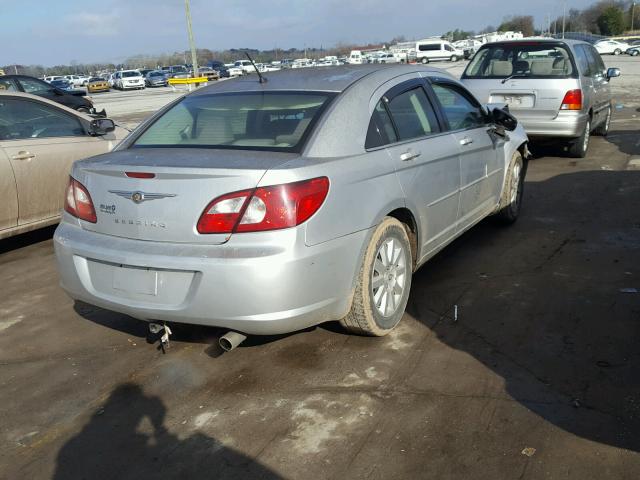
231, 340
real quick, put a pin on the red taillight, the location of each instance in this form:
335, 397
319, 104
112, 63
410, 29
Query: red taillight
78, 203
265, 208
140, 174
572, 100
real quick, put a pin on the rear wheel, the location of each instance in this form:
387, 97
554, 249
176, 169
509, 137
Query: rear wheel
425, 60
617, 51
603, 128
578, 147
384, 281
454, 58
511, 199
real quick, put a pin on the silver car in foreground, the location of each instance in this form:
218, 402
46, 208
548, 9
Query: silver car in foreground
270, 207
557, 88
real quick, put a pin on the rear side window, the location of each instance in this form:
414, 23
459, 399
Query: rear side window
429, 47
524, 60
381, 131
412, 114
461, 111
277, 121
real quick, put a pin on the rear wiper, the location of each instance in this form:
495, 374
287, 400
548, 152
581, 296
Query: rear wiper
513, 75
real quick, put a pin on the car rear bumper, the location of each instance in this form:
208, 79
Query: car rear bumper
265, 283
566, 124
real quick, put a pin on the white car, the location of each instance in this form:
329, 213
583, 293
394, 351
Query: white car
126, 79
386, 58
76, 80
52, 78
244, 65
611, 47
235, 71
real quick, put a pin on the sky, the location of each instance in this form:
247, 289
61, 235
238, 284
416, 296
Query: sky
53, 32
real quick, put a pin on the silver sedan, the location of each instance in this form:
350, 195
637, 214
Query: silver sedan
268, 207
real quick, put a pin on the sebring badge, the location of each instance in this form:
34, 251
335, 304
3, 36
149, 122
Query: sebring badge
139, 197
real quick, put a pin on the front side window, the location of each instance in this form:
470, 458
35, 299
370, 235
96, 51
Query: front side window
34, 86
583, 60
522, 60
20, 119
461, 111
277, 121
595, 60
412, 114
7, 85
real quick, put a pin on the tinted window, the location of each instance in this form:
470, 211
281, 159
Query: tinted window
130, 74
381, 131
21, 119
6, 84
461, 111
595, 60
429, 47
412, 114
31, 85
255, 120
527, 60
583, 60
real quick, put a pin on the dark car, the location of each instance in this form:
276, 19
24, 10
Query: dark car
145, 71
220, 68
74, 99
62, 84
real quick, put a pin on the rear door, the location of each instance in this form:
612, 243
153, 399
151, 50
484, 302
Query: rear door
41, 142
426, 160
481, 153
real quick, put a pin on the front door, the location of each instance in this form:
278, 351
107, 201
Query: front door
41, 142
481, 164
8, 192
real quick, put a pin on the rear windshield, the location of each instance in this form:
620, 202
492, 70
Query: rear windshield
522, 60
278, 121
130, 74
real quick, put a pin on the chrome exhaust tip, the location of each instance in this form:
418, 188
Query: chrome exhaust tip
231, 340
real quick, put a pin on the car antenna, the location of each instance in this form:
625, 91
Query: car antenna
261, 78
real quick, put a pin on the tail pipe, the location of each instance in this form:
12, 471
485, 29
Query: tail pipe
231, 340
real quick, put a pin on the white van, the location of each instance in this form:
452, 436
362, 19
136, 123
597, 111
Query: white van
430, 50
355, 57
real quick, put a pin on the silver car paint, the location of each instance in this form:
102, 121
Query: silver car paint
278, 281
546, 119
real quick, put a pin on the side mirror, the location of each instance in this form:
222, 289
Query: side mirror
613, 72
101, 126
502, 117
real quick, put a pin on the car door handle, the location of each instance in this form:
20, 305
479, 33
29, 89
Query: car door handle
466, 141
24, 155
409, 155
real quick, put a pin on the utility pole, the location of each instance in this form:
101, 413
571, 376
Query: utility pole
192, 45
564, 13
633, 7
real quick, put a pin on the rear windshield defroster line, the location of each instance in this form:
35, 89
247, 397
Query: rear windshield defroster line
278, 121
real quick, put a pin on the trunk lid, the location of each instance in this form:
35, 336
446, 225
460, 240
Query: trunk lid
527, 98
168, 206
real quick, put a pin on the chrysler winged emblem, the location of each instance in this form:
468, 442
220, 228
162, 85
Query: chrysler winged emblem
139, 197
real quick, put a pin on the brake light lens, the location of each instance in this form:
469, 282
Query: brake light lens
140, 174
78, 203
572, 100
265, 208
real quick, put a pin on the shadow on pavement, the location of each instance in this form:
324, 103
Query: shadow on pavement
552, 304
127, 439
25, 239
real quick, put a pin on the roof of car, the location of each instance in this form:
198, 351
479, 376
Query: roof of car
568, 41
328, 79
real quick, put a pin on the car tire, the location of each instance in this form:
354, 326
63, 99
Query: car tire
454, 58
603, 129
380, 279
86, 110
578, 147
424, 60
617, 51
634, 53
511, 199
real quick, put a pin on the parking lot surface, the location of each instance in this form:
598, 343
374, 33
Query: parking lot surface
536, 377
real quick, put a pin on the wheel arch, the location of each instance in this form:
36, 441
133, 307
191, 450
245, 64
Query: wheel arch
406, 217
